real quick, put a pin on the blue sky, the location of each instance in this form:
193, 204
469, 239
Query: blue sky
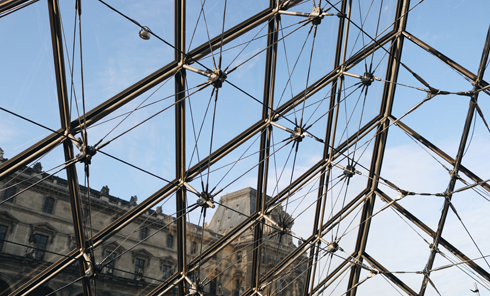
115, 58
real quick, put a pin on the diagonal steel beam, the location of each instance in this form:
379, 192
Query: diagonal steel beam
387, 99
443, 58
457, 164
9, 6
180, 164
71, 172
331, 277
265, 144
64, 108
330, 133
432, 233
385, 272
307, 243
439, 152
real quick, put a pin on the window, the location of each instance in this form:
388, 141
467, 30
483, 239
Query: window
239, 255
212, 287
236, 292
280, 288
143, 232
167, 271
111, 256
40, 243
85, 215
8, 193
190, 275
170, 241
48, 205
193, 248
3, 234
139, 268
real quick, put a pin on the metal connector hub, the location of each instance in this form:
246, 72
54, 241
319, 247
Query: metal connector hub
205, 200
349, 171
86, 154
196, 289
316, 15
367, 79
333, 247
217, 78
298, 134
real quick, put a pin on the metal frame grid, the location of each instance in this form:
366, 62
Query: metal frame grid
312, 246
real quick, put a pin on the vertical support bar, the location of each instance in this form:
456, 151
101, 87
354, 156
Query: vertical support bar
457, 165
180, 142
380, 140
327, 154
71, 172
265, 141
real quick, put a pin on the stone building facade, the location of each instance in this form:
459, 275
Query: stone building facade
36, 228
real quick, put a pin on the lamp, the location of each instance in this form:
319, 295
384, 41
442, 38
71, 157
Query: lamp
145, 33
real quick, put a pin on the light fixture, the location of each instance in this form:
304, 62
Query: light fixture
145, 33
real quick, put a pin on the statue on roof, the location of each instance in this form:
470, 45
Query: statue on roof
133, 201
38, 168
104, 191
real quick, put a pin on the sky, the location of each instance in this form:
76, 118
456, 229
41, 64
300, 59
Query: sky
114, 57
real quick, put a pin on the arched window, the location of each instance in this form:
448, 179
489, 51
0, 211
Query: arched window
8, 193
48, 205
